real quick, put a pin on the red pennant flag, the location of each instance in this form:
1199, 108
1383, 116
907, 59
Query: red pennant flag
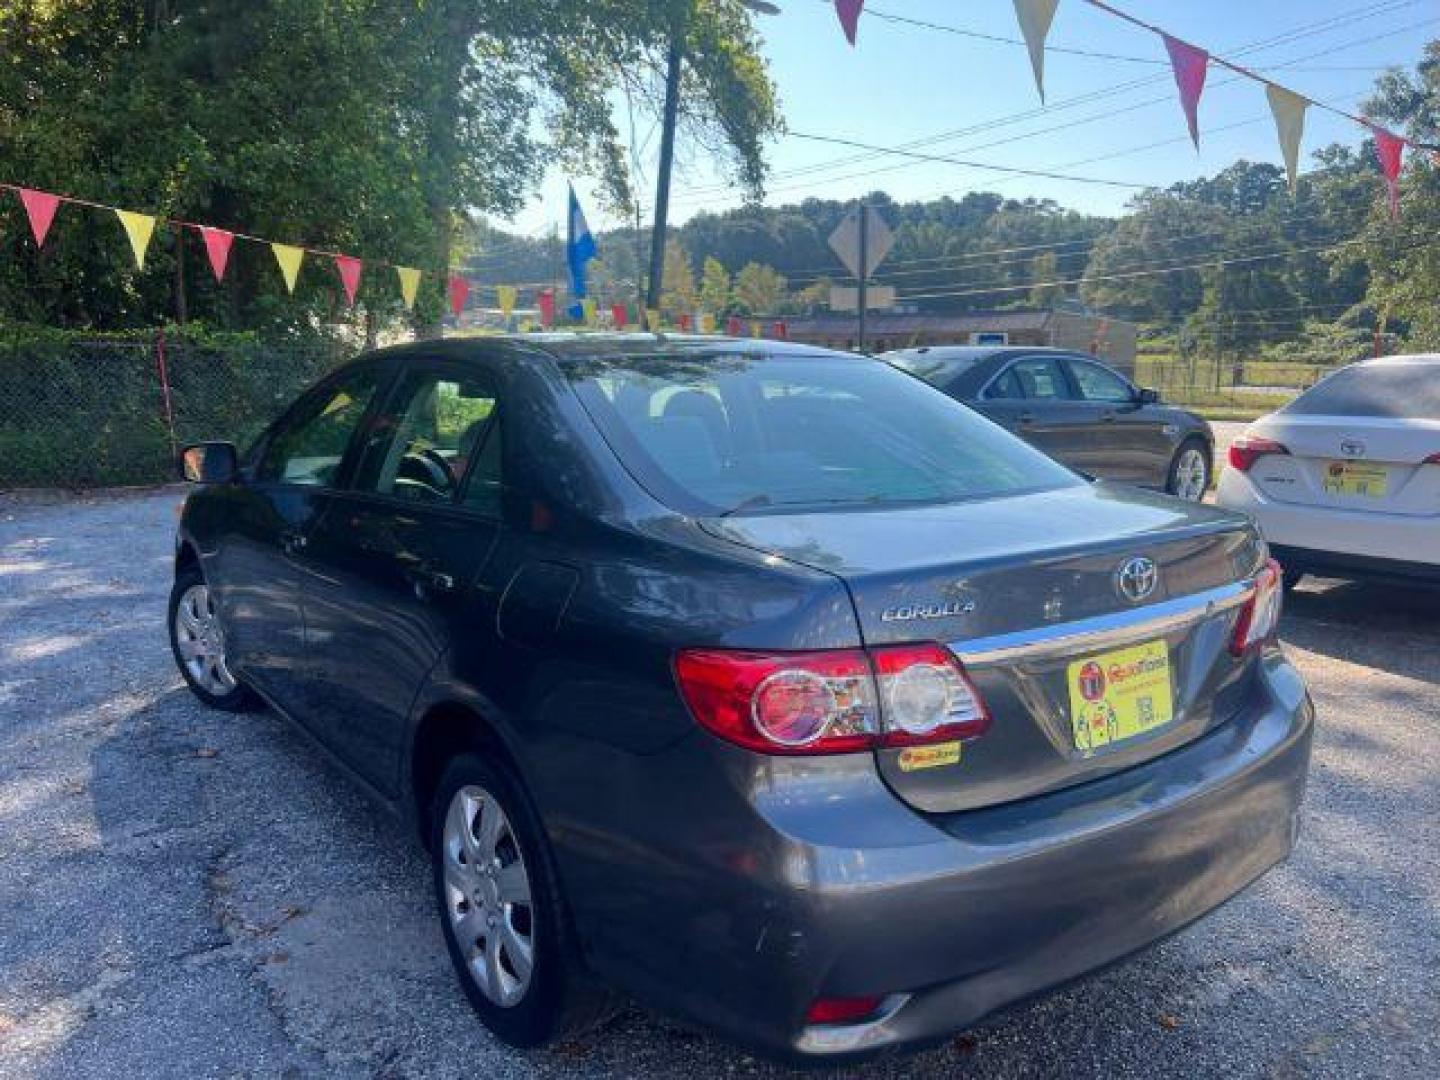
546, 300
217, 247
1189, 64
733, 326
619, 315
849, 13
459, 292
349, 268
1390, 149
778, 330
40, 208
683, 322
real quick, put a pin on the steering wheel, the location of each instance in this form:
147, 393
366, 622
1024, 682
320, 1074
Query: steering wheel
429, 468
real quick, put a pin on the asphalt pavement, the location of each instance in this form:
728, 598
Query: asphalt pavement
185, 893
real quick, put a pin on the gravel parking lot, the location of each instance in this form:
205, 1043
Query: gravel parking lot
187, 893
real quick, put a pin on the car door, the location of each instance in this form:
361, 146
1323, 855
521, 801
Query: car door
259, 575
1033, 397
396, 557
1126, 436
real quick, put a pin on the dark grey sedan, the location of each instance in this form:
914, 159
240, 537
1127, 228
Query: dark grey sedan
1077, 410
766, 684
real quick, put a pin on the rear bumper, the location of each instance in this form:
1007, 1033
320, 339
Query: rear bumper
950, 918
1328, 531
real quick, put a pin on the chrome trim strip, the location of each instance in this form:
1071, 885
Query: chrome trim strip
1102, 631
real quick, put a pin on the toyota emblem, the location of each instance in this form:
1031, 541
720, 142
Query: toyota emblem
1136, 579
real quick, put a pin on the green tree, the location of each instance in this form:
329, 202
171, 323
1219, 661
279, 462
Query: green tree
759, 289
714, 287
1045, 269
680, 296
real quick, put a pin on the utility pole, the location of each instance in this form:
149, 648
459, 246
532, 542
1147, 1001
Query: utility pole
667, 159
671, 111
864, 275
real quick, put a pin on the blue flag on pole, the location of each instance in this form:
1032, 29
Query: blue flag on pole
579, 250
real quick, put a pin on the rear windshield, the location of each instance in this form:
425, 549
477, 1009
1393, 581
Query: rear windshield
939, 370
730, 433
1400, 391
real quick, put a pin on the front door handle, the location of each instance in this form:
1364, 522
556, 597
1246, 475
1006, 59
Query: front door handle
1026, 418
292, 543
429, 578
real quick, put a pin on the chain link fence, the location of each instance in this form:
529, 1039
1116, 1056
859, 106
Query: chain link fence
79, 414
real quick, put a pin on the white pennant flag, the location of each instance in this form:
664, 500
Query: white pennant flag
1289, 109
1035, 18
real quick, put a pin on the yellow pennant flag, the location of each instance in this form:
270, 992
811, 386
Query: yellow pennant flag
1289, 109
754, 329
587, 311
652, 320
139, 227
409, 284
506, 296
289, 259
707, 323
1035, 18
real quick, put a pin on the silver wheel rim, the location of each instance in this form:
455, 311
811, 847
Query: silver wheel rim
201, 642
1190, 475
487, 896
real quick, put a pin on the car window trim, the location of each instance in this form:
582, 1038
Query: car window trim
455, 503
386, 375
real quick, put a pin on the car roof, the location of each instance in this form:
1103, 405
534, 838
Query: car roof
1402, 359
564, 346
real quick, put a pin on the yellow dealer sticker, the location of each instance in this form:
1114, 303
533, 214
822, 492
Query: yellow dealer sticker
928, 757
1356, 478
1118, 695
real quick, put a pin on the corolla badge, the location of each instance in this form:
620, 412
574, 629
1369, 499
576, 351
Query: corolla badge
938, 609
1136, 578
1352, 447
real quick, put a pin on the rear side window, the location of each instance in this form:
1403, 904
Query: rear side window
429, 442
1401, 391
1040, 378
754, 433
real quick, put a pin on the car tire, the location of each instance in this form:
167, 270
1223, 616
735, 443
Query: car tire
488, 918
197, 641
1190, 471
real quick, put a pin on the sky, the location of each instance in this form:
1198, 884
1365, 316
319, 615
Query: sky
904, 83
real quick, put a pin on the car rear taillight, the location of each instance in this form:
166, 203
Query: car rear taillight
1248, 449
831, 702
1433, 459
925, 696
841, 1010
1260, 616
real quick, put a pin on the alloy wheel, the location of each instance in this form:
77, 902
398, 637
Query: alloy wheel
487, 896
200, 641
1191, 475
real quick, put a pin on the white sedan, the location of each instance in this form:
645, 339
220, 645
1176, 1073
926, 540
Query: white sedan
1345, 480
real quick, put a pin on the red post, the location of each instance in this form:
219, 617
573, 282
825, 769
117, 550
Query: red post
165, 390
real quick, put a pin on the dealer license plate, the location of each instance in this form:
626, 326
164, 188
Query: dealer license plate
1121, 694
1355, 478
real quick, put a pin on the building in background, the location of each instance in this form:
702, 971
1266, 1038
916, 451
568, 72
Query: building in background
1112, 340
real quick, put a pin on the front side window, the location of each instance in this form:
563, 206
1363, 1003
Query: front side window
1100, 384
309, 447
753, 433
425, 446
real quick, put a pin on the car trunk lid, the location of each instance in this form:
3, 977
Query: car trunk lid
1025, 590
1366, 464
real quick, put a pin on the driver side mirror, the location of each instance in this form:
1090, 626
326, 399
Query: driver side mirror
209, 463
1148, 396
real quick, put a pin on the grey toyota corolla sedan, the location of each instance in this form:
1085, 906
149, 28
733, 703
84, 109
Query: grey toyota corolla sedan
766, 684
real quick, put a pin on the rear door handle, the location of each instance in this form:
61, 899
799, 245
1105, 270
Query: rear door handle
1026, 418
